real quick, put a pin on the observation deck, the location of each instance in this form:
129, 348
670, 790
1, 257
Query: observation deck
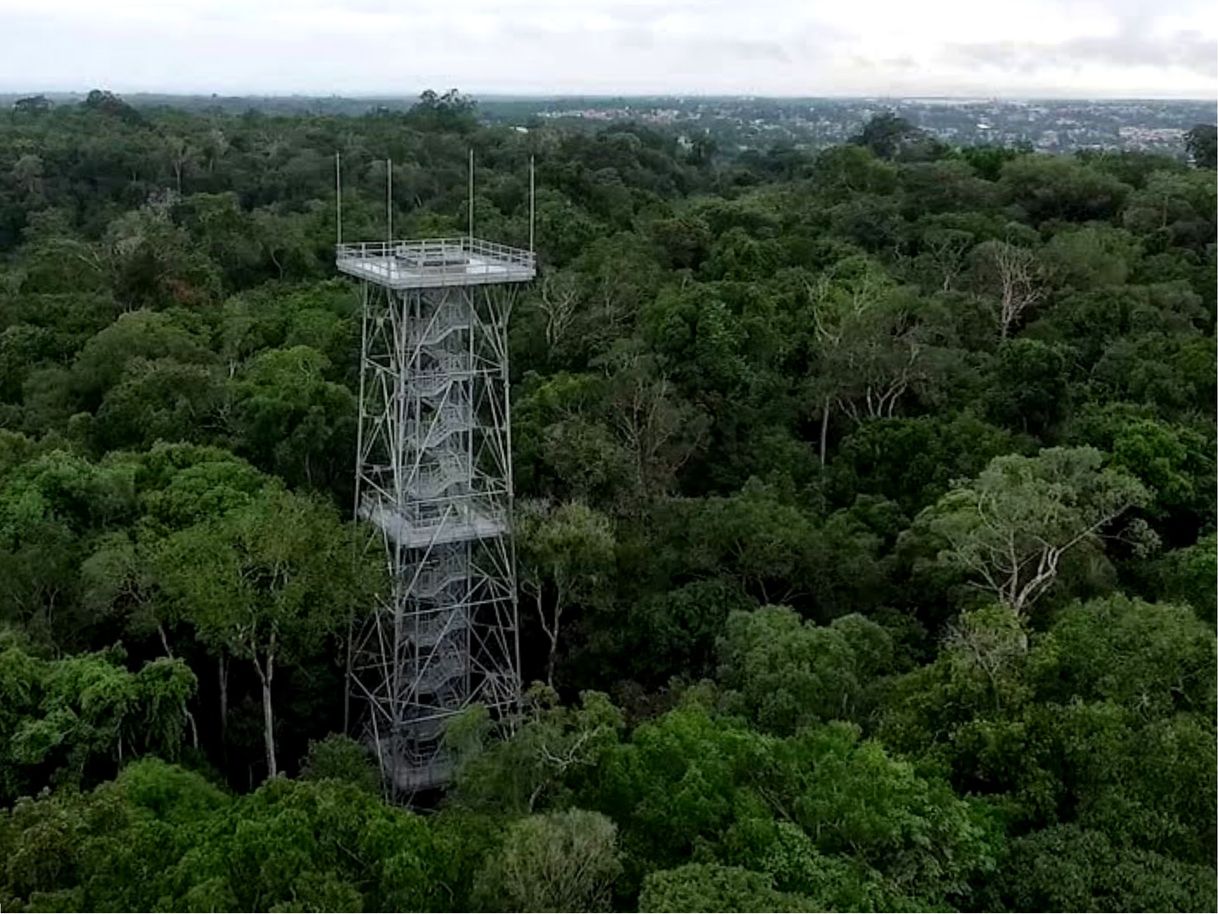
435, 262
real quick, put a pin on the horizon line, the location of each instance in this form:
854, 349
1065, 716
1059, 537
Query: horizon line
558, 95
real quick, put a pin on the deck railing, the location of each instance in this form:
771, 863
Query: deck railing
435, 255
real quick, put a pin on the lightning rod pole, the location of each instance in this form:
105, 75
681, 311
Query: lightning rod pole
338, 198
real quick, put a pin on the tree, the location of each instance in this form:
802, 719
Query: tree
108, 849
872, 347
1155, 658
1066, 868
1185, 575
1054, 726
157, 400
786, 675
673, 633
1015, 279
558, 301
1028, 386
28, 172
111, 105
62, 720
181, 155
341, 758
756, 536
1094, 257
159, 835
1202, 144
693, 782
316, 845
912, 461
1055, 187
549, 745
288, 419
32, 104
51, 505
714, 887
147, 335
890, 136
657, 428
267, 583
448, 111
566, 557
944, 251
1009, 529
562, 861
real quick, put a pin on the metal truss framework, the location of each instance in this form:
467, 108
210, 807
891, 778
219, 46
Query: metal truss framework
434, 477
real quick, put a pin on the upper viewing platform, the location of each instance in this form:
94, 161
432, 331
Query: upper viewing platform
433, 262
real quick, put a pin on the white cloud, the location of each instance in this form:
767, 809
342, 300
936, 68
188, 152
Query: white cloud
775, 47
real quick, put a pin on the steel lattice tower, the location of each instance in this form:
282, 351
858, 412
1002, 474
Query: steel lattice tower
434, 476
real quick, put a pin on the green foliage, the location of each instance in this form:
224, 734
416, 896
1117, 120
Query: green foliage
159, 837
566, 557
714, 887
1054, 187
691, 783
1186, 575
940, 404
787, 675
341, 758
289, 420
1028, 387
73, 719
267, 583
563, 861
1009, 531
1202, 143
1109, 713
312, 846
913, 461
1070, 869
551, 744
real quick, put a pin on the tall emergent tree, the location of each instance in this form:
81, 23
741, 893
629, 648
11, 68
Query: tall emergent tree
1010, 528
268, 583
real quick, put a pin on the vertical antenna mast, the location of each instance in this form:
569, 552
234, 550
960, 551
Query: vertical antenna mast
532, 201
389, 198
471, 193
338, 198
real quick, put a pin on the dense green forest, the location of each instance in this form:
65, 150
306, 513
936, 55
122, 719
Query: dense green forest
870, 497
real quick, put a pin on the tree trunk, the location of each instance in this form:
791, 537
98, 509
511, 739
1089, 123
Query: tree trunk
550, 630
194, 729
347, 675
164, 640
824, 430
268, 724
190, 718
268, 717
223, 701
551, 659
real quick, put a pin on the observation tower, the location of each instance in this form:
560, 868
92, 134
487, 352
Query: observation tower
434, 477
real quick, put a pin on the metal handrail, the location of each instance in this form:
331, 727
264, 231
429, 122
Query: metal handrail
422, 247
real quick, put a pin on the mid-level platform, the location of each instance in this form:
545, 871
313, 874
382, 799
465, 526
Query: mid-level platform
463, 521
435, 262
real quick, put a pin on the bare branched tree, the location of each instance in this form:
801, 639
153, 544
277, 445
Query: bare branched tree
871, 349
558, 303
1018, 282
945, 251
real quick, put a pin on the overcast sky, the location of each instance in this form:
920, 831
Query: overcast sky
1067, 48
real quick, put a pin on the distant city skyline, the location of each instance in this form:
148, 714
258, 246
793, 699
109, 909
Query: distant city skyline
1049, 49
